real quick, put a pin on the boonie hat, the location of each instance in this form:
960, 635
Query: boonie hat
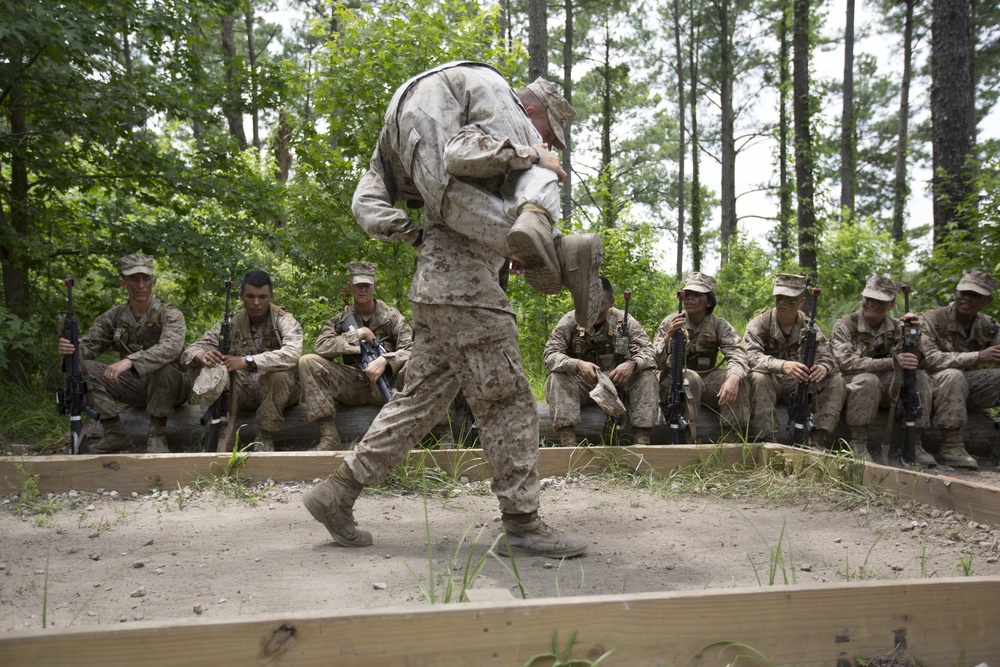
880, 288
699, 282
980, 282
606, 396
136, 263
211, 382
559, 110
789, 284
361, 272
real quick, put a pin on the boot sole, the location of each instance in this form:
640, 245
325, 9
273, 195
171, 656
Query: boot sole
959, 463
520, 551
316, 510
539, 271
590, 263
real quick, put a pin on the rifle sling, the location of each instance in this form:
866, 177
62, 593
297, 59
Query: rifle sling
223, 444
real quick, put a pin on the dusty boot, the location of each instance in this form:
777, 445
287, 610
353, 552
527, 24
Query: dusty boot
264, 441
528, 535
329, 438
156, 441
331, 502
953, 452
818, 439
530, 242
567, 436
640, 436
580, 256
116, 438
925, 459
859, 443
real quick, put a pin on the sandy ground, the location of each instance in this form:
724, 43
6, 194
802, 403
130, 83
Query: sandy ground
116, 558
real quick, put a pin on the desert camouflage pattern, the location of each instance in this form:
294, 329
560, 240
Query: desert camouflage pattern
865, 358
705, 341
768, 348
952, 356
325, 380
276, 345
153, 343
566, 393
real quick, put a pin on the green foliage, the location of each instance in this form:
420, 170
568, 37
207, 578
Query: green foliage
746, 280
847, 254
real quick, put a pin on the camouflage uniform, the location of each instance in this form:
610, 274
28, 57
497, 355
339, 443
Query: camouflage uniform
706, 340
566, 392
325, 381
952, 358
276, 346
768, 348
154, 343
865, 358
465, 334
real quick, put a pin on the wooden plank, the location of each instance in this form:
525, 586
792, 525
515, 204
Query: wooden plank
976, 501
941, 621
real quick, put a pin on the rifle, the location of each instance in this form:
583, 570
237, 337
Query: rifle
220, 407
912, 409
71, 400
370, 351
673, 409
621, 354
800, 421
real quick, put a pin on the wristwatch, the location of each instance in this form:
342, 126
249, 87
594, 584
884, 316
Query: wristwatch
251, 364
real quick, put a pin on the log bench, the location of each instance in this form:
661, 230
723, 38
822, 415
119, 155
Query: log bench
185, 433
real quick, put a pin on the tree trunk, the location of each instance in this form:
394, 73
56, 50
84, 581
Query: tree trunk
784, 183
727, 226
538, 39
254, 94
567, 185
901, 189
804, 187
607, 195
232, 105
681, 140
16, 287
848, 150
951, 114
697, 247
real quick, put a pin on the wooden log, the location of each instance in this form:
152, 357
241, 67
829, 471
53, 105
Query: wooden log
185, 433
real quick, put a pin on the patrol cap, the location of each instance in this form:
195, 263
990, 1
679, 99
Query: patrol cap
980, 282
559, 110
789, 284
699, 282
210, 383
361, 272
880, 288
606, 396
136, 263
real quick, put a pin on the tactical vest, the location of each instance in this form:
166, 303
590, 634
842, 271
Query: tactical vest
243, 343
938, 318
597, 348
786, 349
133, 335
703, 353
383, 331
864, 344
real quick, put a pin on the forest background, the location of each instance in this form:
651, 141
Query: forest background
225, 135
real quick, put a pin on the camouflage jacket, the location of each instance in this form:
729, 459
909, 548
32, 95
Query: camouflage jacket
768, 347
388, 325
946, 343
151, 341
568, 343
705, 340
861, 349
275, 346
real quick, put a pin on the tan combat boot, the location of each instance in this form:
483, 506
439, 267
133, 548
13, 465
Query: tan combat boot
329, 440
528, 535
859, 443
567, 436
581, 256
953, 452
116, 438
331, 502
640, 436
264, 441
156, 440
924, 457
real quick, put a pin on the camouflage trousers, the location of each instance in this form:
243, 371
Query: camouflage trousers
325, 381
159, 392
867, 392
475, 350
769, 388
270, 394
566, 393
703, 389
956, 392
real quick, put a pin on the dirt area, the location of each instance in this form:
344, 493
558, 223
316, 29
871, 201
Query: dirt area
117, 558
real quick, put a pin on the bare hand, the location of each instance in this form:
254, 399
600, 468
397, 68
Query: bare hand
677, 320
588, 371
113, 372
211, 358
908, 361
622, 373
364, 333
818, 373
990, 355
796, 370
516, 267
65, 347
549, 160
729, 391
